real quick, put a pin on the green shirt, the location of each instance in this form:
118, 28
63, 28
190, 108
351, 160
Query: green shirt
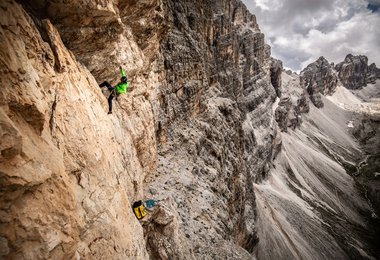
121, 88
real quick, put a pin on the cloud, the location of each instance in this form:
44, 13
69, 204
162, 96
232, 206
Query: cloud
300, 31
373, 7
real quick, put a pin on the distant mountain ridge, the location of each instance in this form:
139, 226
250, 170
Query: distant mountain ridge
322, 77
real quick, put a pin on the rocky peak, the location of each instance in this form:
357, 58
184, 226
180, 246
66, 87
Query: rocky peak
318, 78
373, 73
353, 71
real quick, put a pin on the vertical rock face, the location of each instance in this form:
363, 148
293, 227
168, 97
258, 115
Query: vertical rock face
68, 173
318, 78
101, 35
215, 123
353, 71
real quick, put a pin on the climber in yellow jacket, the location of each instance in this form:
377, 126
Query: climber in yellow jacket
120, 88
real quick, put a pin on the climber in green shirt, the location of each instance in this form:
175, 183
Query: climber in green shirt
120, 88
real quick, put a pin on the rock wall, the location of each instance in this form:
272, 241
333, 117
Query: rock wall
68, 172
215, 125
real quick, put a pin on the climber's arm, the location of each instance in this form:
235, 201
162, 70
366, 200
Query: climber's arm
122, 72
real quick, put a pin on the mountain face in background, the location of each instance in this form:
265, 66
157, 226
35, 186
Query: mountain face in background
250, 161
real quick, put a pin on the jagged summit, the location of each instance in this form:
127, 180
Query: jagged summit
354, 72
318, 78
321, 77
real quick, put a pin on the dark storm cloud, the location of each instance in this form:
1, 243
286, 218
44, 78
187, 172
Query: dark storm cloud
373, 7
300, 31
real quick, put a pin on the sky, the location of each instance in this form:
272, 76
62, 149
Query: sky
300, 31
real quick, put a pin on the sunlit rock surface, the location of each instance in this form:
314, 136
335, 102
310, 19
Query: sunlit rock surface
68, 172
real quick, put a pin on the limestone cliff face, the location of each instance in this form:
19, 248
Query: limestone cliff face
68, 172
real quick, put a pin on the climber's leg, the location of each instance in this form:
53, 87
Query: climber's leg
110, 98
106, 84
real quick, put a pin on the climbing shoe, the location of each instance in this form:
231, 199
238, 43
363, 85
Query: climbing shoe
109, 112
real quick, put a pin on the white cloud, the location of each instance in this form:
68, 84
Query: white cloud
269, 4
303, 30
